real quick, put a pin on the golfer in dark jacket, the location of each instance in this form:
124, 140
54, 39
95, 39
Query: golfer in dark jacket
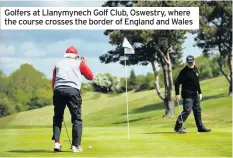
191, 94
66, 83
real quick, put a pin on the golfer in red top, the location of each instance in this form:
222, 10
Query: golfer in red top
66, 84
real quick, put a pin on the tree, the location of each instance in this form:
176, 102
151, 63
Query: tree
145, 85
152, 47
5, 106
215, 65
132, 83
28, 88
2, 78
24, 89
150, 79
119, 3
207, 68
215, 33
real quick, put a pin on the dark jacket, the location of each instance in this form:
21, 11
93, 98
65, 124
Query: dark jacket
189, 79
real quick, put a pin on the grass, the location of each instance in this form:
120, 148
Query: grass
28, 134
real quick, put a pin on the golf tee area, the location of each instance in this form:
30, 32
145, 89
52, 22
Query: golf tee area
105, 132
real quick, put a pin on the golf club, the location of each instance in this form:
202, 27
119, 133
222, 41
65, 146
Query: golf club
67, 134
90, 147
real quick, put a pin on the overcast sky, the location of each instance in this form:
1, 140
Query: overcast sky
43, 49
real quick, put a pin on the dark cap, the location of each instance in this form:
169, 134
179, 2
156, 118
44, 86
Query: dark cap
190, 59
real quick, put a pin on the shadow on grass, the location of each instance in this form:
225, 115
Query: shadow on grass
149, 107
214, 96
160, 106
146, 108
139, 119
24, 126
130, 121
167, 133
161, 133
34, 151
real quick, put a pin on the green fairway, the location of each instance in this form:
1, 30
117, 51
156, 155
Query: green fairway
145, 141
105, 127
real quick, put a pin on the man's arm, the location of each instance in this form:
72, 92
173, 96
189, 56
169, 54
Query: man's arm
198, 80
178, 82
53, 78
86, 71
199, 89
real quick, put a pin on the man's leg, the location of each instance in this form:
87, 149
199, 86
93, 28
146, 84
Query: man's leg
197, 115
74, 103
59, 102
187, 108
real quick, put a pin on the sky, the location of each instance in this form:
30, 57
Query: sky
43, 48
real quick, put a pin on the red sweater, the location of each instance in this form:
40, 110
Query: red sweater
84, 69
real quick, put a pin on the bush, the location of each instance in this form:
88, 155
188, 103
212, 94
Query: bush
6, 107
122, 86
106, 83
19, 107
132, 81
86, 87
143, 83
208, 67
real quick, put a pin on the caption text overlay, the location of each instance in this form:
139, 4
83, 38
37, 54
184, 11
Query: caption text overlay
91, 18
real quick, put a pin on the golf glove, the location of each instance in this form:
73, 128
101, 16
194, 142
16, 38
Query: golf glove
200, 96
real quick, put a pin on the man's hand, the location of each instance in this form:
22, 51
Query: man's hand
177, 97
85, 70
84, 60
200, 96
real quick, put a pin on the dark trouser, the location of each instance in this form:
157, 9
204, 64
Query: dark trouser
189, 104
70, 97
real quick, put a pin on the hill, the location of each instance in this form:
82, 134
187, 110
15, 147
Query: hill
104, 117
110, 110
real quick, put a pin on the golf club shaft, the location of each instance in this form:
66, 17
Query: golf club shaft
67, 133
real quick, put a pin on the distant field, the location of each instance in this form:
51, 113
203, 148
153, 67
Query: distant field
105, 127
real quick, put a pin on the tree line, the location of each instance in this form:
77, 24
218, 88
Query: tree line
24, 89
165, 47
27, 88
